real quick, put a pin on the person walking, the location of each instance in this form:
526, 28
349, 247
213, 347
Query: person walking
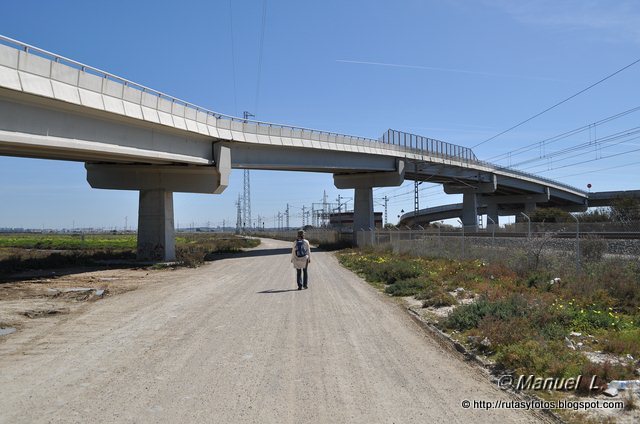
301, 258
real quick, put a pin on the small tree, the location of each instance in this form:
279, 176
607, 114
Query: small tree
595, 215
625, 210
550, 215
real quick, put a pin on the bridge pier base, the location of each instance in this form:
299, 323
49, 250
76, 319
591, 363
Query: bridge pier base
156, 234
363, 183
470, 211
492, 213
363, 218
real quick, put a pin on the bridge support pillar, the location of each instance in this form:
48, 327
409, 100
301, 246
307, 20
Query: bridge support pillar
156, 184
363, 183
363, 218
529, 208
470, 211
492, 212
156, 235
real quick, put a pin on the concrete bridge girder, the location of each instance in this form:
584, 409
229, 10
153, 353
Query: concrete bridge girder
257, 156
371, 179
172, 178
449, 171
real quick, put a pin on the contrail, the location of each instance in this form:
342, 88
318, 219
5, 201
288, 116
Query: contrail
432, 68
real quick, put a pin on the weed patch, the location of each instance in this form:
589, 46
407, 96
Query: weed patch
525, 305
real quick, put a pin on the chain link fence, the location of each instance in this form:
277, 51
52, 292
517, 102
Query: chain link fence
531, 243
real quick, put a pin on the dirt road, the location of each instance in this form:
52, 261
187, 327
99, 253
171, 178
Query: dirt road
232, 342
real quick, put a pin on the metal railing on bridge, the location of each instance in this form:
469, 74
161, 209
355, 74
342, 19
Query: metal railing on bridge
423, 144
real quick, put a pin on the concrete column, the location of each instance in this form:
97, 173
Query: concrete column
362, 211
529, 207
470, 211
492, 212
156, 241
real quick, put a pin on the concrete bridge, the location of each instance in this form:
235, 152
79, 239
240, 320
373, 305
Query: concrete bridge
132, 137
455, 210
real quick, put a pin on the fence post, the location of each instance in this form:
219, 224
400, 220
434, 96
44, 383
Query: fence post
493, 237
462, 225
577, 242
529, 222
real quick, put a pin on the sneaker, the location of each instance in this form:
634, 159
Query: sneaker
305, 287
299, 287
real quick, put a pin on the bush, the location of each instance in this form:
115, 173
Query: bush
623, 342
392, 271
610, 283
544, 359
607, 371
435, 295
439, 299
405, 287
592, 249
469, 316
505, 332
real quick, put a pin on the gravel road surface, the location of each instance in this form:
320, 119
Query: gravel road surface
233, 342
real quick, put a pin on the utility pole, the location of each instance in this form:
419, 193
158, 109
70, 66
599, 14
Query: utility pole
239, 215
314, 218
246, 210
304, 216
339, 213
386, 202
325, 209
286, 214
416, 198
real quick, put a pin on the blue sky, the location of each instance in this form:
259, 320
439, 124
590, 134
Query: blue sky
459, 71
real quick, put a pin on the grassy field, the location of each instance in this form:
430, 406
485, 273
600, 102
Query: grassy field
68, 241
20, 252
527, 322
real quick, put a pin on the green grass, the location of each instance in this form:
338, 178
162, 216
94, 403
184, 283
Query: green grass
68, 241
20, 252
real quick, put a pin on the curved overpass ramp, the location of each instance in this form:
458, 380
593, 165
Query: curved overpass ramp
132, 137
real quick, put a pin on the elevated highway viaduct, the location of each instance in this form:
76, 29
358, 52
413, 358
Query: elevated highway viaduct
504, 208
131, 137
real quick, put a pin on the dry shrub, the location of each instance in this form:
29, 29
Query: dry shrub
439, 299
606, 371
615, 283
548, 359
623, 342
592, 248
504, 332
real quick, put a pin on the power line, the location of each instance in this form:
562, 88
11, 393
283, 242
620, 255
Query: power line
635, 163
233, 61
593, 160
264, 22
589, 144
561, 136
557, 104
624, 140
